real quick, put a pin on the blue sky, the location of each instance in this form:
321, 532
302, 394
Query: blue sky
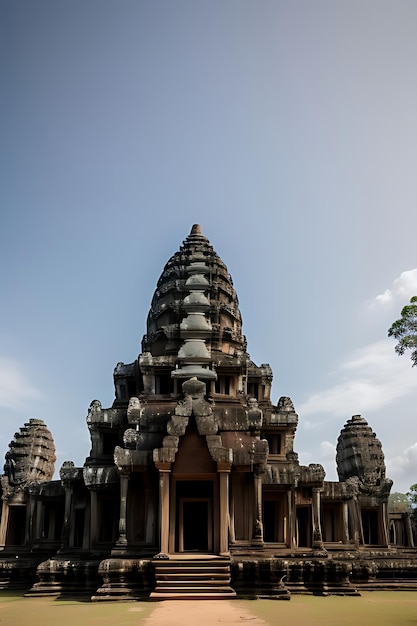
287, 129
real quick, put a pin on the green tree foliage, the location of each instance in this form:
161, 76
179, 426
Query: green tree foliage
412, 495
398, 502
405, 330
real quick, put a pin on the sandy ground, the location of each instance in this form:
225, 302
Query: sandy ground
371, 609
201, 613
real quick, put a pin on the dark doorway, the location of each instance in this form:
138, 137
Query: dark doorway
195, 526
16, 526
194, 518
370, 527
303, 527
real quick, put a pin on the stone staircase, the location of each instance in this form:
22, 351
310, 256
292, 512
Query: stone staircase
197, 578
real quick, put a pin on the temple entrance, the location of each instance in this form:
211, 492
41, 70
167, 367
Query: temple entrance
303, 530
195, 525
194, 516
370, 527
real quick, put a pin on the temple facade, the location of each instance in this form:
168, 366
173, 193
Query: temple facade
192, 487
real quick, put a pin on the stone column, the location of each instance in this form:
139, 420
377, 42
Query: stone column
408, 530
355, 516
124, 484
258, 534
4, 522
291, 518
67, 517
224, 471
385, 531
93, 517
29, 518
68, 474
317, 535
345, 522
164, 474
232, 516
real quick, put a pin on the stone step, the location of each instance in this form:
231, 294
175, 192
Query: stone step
193, 582
188, 565
189, 578
199, 566
192, 596
186, 585
389, 585
176, 574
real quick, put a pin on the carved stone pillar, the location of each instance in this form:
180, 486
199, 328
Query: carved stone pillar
224, 471
409, 530
291, 518
355, 516
164, 474
232, 515
258, 534
93, 517
317, 535
67, 517
68, 474
124, 484
31, 510
4, 522
345, 522
385, 531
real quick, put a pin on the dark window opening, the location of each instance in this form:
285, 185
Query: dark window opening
123, 391
164, 384
222, 385
274, 442
110, 441
253, 390
131, 387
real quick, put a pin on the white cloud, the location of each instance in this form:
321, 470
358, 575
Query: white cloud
15, 388
403, 287
327, 451
405, 463
370, 378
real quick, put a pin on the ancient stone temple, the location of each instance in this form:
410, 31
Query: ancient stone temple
192, 487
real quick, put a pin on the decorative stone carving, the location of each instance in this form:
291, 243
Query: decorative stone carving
359, 454
31, 457
131, 437
285, 404
134, 410
97, 477
254, 415
69, 473
94, 412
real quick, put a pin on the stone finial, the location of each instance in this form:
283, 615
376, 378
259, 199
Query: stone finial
196, 230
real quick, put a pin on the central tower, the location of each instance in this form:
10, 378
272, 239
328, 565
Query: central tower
194, 329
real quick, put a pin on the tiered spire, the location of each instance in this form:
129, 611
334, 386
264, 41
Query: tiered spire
194, 357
